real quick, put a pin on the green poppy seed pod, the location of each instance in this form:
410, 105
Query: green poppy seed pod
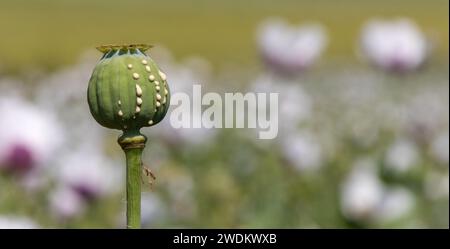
127, 90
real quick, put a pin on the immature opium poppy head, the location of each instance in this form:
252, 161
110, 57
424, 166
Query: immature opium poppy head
127, 90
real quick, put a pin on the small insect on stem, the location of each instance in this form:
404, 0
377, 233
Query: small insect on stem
149, 175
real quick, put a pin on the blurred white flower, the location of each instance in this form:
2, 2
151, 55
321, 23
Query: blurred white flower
303, 151
361, 192
295, 104
66, 203
29, 136
396, 203
402, 155
440, 147
152, 209
365, 198
290, 49
397, 45
89, 172
17, 222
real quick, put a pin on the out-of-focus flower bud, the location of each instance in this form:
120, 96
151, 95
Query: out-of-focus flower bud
395, 46
287, 49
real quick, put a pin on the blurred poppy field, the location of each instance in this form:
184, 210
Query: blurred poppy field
363, 137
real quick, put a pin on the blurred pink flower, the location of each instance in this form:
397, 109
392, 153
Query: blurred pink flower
88, 172
65, 203
29, 136
397, 45
289, 49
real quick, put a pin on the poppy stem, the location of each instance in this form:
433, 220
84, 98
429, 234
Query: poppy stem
133, 143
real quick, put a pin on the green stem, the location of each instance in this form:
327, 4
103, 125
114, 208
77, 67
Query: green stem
133, 187
133, 143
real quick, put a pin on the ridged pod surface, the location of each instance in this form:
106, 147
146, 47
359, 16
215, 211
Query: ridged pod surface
127, 90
